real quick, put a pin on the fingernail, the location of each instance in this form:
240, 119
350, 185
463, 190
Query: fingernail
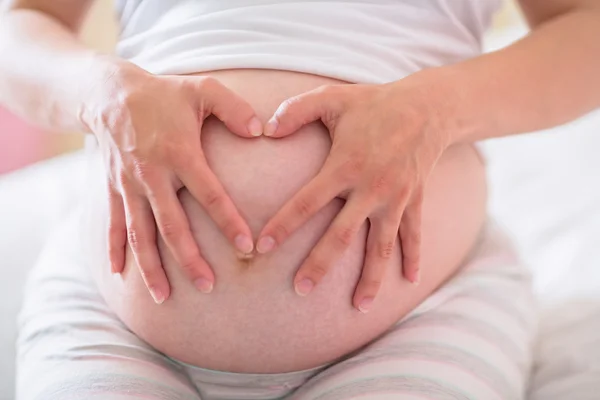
255, 127
304, 287
265, 244
244, 244
365, 305
157, 295
415, 278
203, 285
271, 127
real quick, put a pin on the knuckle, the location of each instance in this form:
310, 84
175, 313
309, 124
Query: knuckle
229, 225
135, 238
281, 231
116, 236
316, 268
208, 83
122, 179
328, 90
288, 105
403, 194
142, 170
381, 184
352, 168
385, 249
149, 275
304, 206
130, 98
213, 199
189, 267
170, 229
343, 237
139, 149
177, 155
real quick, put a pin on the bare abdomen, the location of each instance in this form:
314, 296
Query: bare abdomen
253, 321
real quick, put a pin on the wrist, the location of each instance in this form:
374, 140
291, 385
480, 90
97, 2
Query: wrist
95, 69
104, 88
443, 98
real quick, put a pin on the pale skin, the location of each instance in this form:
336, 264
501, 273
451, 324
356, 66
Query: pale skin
386, 139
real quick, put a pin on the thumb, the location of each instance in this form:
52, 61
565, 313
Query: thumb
323, 103
239, 117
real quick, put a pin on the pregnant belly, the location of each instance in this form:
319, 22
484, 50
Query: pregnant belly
253, 321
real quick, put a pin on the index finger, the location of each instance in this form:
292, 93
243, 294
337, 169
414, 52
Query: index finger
175, 230
334, 243
299, 209
208, 191
141, 236
235, 112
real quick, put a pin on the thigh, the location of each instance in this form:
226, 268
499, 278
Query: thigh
472, 339
71, 346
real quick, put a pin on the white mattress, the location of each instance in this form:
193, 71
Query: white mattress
545, 189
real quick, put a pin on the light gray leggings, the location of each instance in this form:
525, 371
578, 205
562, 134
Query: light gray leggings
471, 339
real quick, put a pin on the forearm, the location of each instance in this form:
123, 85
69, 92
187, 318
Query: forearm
45, 72
548, 78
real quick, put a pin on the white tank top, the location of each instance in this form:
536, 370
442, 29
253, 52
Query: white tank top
366, 41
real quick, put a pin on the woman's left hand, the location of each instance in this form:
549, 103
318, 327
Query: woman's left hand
385, 142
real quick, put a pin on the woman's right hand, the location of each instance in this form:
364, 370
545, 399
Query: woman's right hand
148, 129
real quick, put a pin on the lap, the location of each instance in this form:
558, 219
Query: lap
71, 346
472, 339
468, 340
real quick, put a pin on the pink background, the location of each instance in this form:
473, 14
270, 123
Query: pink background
20, 143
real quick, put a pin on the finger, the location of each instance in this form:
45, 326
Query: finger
141, 234
380, 248
229, 107
332, 246
322, 103
175, 230
117, 230
298, 210
208, 191
410, 237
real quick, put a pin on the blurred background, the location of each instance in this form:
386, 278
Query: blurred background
22, 144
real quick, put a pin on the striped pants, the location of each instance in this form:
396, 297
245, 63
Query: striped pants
471, 339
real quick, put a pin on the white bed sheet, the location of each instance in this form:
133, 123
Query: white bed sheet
545, 189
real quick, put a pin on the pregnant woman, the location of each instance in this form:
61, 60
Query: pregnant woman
283, 197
